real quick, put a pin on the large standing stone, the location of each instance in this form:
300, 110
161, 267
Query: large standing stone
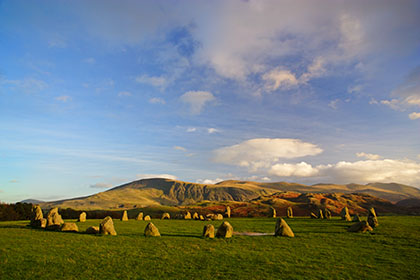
201, 218
273, 212
166, 216
151, 230
225, 230
289, 212
372, 219
228, 211
72, 227
195, 216
36, 216
147, 218
345, 214
54, 220
92, 230
124, 216
208, 231
82, 217
187, 216
139, 216
362, 226
283, 229
107, 226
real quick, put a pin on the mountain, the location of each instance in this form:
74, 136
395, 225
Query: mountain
33, 201
156, 192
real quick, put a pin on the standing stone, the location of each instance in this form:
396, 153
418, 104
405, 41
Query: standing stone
92, 230
151, 230
327, 214
139, 216
166, 216
70, 227
372, 219
362, 226
124, 217
54, 220
187, 216
218, 217
356, 218
36, 216
82, 217
228, 211
313, 216
107, 226
273, 212
289, 212
147, 218
201, 218
283, 229
208, 231
320, 214
225, 230
345, 214
195, 216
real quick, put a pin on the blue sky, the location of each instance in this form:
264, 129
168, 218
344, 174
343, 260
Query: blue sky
94, 94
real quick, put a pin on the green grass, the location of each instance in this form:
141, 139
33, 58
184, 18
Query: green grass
322, 249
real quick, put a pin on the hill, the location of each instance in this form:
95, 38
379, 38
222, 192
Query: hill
156, 192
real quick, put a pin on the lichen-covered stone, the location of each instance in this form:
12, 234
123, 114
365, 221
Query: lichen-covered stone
54, 220
124, 216
166, 216
139, 216
225, 230
187, 216
320, 214
345, 214
82, 217
92, 230
147, 218
151, 230
218, 217
228, 211
313, 216
195, 216
36, 216
71, 227
289, 212
283, 229
372, 219
201, 218
327, 214
273, 212
362, 226
208, 231
107, 226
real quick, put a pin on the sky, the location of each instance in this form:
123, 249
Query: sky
94, 94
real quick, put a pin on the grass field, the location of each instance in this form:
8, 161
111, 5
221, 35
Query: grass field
322, 249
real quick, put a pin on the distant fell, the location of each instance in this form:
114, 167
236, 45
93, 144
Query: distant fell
158, 191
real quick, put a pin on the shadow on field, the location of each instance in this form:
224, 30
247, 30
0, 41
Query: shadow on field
14, 226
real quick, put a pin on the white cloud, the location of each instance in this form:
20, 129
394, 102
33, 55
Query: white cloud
101, 186
263, 152
293, 170
63, 98
124, 93
212, 130
157, 100
179, 148
191, 129
197, 100
156, 81
414, 116
89, 60
368, 156
209, 181
393, 104
355, 89
279, 78
151, 176
386, 170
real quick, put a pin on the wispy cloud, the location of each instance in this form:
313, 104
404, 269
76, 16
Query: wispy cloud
191, 129
100, 186
63, 98
26, 85
89, 60
151, 176
212, 130
368, 156
179, 148
157, 100
156, 81
124, 93
414, 116
197, 100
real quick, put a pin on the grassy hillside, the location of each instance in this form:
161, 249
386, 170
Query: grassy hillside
154, 192
322, 249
